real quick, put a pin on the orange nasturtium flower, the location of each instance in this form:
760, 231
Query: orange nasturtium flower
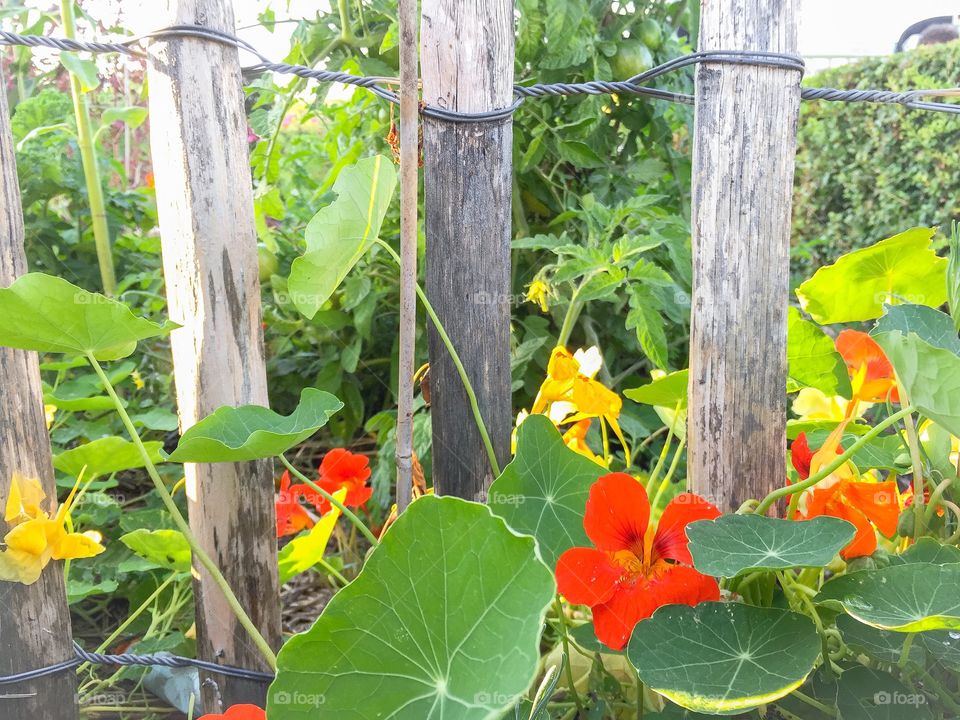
239, 712
571, 394
871, 373
35, 538
633, 567
291, 515
861, 503
340, 469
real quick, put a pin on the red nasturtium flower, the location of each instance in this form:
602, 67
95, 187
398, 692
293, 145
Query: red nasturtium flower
239, 712
870, 372
861, 503
341, 469
633, 567
291, 515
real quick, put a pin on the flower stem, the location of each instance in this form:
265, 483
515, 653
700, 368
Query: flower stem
347, 512
799, 487
198, 552
913, 441
464, 378
905, 650
91, 169
565, 639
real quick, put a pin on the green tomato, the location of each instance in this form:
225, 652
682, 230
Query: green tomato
267, 262
651, 35
632, 58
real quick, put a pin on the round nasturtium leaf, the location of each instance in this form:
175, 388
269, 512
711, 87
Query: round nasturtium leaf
732, 544
543, 491
906, 598
883, 645
857, 285
867, 694
443, 621
47, 314
927, 550
723, 658
252, 432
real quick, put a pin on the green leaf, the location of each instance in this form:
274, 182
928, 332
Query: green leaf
867, 694
731, 544
132, 116
855, 287
723, 658
663, 392
580, 154
812, 359
645, 318
308, 548
251, 432
930, 376
444, 620
543, 491
341, 233
883, 645
884, 452
927, 550
164, 548
84, 70
932, 326
104, 457
47, 314
904, 598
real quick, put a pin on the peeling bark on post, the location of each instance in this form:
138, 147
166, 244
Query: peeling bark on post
205, 204
467, 65
744, 146
34, 620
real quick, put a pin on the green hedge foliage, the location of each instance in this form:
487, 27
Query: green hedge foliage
864, 169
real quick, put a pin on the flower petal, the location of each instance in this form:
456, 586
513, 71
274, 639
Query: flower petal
865, 541
617, 513
801, 455
878, 501
586, 576
670, 541
674, 584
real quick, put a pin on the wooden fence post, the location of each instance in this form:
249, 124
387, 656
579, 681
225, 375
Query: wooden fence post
198, 137
743, 159
34, 620
467, 66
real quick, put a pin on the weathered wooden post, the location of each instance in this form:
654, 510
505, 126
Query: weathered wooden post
743, 158
205, 204
34, 620
467, 66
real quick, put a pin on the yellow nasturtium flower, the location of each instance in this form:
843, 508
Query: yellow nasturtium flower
572, 394
813, 404
35, 538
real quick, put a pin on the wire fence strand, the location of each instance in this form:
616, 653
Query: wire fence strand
381, 86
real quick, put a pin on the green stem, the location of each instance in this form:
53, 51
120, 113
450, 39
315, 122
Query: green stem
565, 639
825, 709
905, 650
347, 512
333, 571
799, 487
464, 378
658, 468
665, 483
91, 170
198, 552
570, 319
913, 441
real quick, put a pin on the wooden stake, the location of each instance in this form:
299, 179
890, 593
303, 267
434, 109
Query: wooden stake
409, 195
467, 65
744, 146
34, 620
198, 137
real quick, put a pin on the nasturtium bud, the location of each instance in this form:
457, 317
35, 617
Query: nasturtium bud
907, 525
